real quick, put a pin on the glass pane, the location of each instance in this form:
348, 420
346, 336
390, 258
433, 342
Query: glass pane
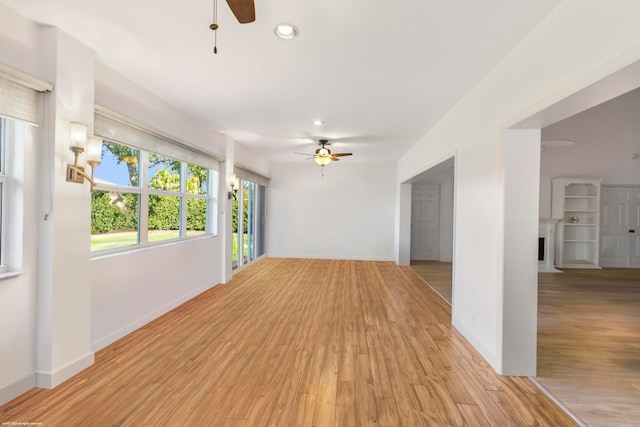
164, 217
2, 127
120, 165
196, 216
1, 223
164, 173
114, 219
249, 220
262, 214
234, 230
197, 180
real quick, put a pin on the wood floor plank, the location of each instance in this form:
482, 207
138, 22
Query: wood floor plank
324, 413
295, 342
346, 411
367, 410
304, 409
588, 342
388, 415
436, 405
473, 416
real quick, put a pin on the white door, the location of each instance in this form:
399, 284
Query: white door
634, 228
620, 227
425, 221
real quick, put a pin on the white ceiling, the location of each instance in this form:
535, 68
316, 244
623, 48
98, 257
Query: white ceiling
378, 73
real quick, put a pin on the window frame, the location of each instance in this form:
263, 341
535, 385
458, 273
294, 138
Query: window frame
256, 216
4, 191
144, 192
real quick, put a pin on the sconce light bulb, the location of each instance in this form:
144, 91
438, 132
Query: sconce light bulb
94, 150
78, 137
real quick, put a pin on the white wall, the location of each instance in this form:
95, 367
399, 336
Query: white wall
348, 214
20, 48
607, 136
130, 289
65, 305
446, 219
246, 158
20, 42
121, 95
64, 298
578, 43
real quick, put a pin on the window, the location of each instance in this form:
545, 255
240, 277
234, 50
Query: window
3, 194
19, 94
248, 221
12, 182
143, 198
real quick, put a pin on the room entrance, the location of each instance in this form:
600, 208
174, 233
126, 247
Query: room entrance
248, 222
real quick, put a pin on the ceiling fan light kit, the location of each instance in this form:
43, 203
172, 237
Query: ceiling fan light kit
323, 156
323, 161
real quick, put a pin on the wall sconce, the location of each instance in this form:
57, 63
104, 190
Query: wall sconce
234, 184
78, 144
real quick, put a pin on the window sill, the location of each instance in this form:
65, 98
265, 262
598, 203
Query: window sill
95, 256
10, 274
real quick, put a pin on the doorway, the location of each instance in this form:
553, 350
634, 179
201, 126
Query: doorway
620, 227
248, 223
425, 222
432, 211
587, 319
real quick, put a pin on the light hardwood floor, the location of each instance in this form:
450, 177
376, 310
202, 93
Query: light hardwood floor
588, 339
292, 342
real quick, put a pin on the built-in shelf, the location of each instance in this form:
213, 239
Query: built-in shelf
577, 202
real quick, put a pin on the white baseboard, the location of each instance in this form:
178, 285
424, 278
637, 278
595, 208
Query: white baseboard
480, 348
126, 330
48, 379
13, 390
348, 258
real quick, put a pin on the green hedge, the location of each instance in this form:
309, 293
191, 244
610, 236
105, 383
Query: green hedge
197, 214
119, 212
164, 212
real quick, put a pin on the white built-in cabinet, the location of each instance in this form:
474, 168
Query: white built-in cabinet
576, 202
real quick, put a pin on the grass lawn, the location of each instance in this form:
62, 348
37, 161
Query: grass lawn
234, 246
100, 242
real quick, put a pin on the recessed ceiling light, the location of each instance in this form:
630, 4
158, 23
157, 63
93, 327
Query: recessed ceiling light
317, 122
286, 31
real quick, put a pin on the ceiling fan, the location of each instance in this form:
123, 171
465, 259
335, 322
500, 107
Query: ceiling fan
323, 156
244, 11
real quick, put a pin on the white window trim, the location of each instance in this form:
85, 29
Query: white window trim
11, 257
144, 191
4, 181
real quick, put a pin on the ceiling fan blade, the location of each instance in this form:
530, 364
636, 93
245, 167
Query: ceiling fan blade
244, 10
304, 154
341, 154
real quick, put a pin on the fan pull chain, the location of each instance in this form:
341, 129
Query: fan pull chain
214, 26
